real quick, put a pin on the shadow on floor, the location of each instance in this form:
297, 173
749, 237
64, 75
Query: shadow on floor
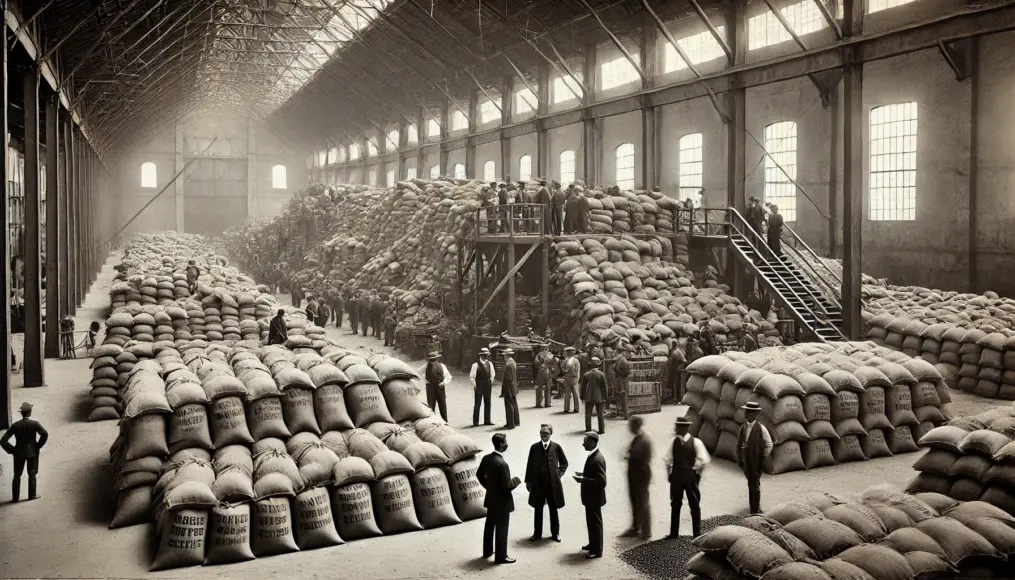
81, 408
98, 507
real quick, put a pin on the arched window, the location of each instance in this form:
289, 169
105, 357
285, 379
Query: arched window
391, 178
689, 167
410, 173
459, 171
353, 152
392, 144
625, 166
525, 167
371, 148
149, 175
489, 171
780, 167
411, 134
435, 172
278, 180
341, 154
567, 167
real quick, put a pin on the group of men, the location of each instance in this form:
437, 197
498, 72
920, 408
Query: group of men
567, 210
369, 312
758, 213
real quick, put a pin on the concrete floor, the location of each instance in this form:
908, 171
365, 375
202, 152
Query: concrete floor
64, 535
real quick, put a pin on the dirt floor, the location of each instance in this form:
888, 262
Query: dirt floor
65, 534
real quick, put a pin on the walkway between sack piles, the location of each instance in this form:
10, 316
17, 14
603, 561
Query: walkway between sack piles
65, 533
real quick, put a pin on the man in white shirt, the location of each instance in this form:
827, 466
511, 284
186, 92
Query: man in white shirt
482, 375
685, 458
754, 445
572, 372
437, 377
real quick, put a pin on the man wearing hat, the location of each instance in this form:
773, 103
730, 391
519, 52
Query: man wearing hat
572, 371
546, 465
482, 375
29, 437
685, 458
621, 372
544, 375
509, 390
593, 389
639, 478
437, 378
754, 444
593, 493
674, 371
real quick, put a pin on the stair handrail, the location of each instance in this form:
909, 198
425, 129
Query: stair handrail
837, 290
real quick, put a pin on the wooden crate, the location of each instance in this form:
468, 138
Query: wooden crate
644, 391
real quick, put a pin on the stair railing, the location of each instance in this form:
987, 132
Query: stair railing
801, 247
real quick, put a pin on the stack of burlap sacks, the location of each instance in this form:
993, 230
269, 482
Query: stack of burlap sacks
823, 404
252, 451
111, 369
620, 287
971, 458
883, 534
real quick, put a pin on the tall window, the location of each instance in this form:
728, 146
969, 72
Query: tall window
780, 167
371, 148
353, 152
893, 162
625, 166
617, 72
341, 154
322, 158
566, 88
411, 134
372, 176
459, 171
459, 122
392, 144
489, 171
278, 180
525, 167
567, 172
489, 111
435, 172
433, 129
410, 173
526, 101
149, 175
391, 178
879, 5
765, 29
699, 48
689, 172
332, 155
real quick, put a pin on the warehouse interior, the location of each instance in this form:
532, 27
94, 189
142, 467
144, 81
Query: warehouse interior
276, 129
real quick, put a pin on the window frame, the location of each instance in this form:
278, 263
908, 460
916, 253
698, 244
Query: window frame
458, 169
435, 171
564, 88
690, 166
803, 16
525, 167
410, 173
700, 48
561, 162
623, 152
390, 178
491, 107
149, 175
392, 145
433, 128
522, 97
897, 200
618, 71
411, 134
354, 152
489, 171
459, 121
782, 141
275, 179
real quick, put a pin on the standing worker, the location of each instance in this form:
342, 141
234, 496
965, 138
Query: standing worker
685, 458
754, 445
494, 475
593, 493
389, 329
311, 311
571, 369
324, 313
639, 477
29, 437
593, 389
192, 275
278, 333
437, 378
337, 308
755, 215
584, 214
544, 375
509, 390
557, 200
353, 305
775, 224
571, 212
482, 375
675, 370
546, 465
377, 310
544, 198
364, 313
621, 372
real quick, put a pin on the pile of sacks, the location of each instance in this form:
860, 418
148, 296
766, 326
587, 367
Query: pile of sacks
823, 404
970, 337
882, 535
251, 451
621, 287
971, 458
112, 368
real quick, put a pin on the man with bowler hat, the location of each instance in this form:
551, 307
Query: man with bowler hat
685, 459
754, 444
29, 437
593, 493
494, 474
593, 388
546, 465
482, 375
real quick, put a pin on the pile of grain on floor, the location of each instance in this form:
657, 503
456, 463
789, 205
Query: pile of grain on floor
971, 458
248, 451
823, 404
667, 558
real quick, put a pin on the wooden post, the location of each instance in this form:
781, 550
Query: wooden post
54, 229
34, 366
852, 240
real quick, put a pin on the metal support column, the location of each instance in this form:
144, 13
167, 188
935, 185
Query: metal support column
736, 136
445, 134
251, 173
82, 216
35, 375
470, 147
835, 107
178, 184
649, 133
852, 203
507, 108
66, 287
542, 133
511, 288
54, 229
590, 140
974, 159
545, 290
421, 123
400, 158
5, 389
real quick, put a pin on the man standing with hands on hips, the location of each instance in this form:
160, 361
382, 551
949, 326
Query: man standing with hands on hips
754, 444
593, 493
546, 465
437, 379
29, 437
494, 475
481, 375
685, 458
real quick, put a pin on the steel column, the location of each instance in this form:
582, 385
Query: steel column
470, 147
736, 137
852, 203
421, 122
5, 390
649, 133
590, 141
66, 288
252, 173
54, 229
511, 288
542, 133
445, 134
35, 375
974, 162
178, 186
506, 110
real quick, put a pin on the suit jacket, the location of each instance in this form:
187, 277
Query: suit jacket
594, 480
494, 475
24, 433
543, 472
593, 386
509, 382
639, 461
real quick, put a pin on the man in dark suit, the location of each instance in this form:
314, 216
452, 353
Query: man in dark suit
593, 491
546, 465
494, 475
754, 445
639, 478
509, 390
29, 437
593, 390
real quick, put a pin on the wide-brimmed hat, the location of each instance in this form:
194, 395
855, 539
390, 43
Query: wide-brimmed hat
433, 355
751, 406
484, 351
26, 406
507, 351
683, 421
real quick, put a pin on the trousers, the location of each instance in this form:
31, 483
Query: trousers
571, 391
685, 482
599, 415
495, 535
641, 514
543, 386
754, 491
435, 395
594, 522
482, 396
537, 527
19, 468
512, 418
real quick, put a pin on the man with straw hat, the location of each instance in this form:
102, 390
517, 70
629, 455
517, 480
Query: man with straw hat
29, 437
593, 390
754, 444
509, 390
571, 370
437, 378
544, 375
685, 458
482, 375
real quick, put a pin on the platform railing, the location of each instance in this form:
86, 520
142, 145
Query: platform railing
525, 219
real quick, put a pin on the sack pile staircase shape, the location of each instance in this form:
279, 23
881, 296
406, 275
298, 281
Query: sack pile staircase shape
790, 280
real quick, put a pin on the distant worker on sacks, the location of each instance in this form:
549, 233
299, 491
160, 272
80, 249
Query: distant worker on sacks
192, 275
278, 333
685, 458
494, 474
754, 445
29, 437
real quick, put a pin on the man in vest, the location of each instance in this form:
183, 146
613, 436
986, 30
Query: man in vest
509, 390
29, 437
437, 379
685, 458
621, 372
754, 444
572, 371
482, 375
544, 376
639, 477
593, 391
278, 333
546, 465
